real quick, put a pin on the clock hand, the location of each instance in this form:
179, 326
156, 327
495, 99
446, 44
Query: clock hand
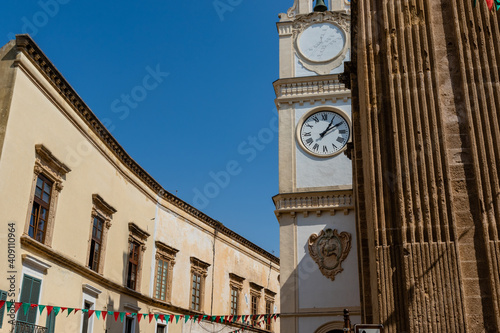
327, 128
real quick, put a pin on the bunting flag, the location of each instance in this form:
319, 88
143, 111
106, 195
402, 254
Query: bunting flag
257, 319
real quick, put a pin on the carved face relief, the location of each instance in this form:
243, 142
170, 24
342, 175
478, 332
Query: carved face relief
329, 250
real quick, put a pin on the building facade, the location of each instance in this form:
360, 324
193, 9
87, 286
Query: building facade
85, 227
426, 106
315, 204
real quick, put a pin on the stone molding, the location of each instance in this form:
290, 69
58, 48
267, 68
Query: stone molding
236, 281
199, 267
310, 90
314, 202
166, 251
91, 290
28, 47
35, 263
329, 249
53, 169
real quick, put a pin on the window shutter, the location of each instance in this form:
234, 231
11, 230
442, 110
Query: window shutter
51, 322
3, 297
30, 293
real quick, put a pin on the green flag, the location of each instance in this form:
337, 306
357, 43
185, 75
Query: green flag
40, 308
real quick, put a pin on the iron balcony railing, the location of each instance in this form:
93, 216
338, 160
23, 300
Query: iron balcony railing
23, 327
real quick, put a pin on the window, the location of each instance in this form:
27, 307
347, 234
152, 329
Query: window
161, 329
234, 300
133, 264
236, 285
3, 297
137, 246
196, 292
198, 275
100, 224
269, 306
129, 324
85, 324
48, 175
95, 244
165, 256
40, 209
255, 292
51, 322
30, 293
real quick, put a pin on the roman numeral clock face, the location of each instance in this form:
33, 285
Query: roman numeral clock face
324, 133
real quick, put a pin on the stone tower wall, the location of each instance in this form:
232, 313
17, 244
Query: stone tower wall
426, 117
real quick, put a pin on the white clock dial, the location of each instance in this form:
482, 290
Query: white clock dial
324, 133
321, 42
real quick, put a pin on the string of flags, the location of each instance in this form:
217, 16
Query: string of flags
241, 319
490, 4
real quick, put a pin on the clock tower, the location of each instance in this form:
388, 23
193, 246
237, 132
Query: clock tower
315, 206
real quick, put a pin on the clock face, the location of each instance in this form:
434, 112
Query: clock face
324, 133
321, 42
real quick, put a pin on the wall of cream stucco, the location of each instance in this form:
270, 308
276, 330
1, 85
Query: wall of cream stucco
39, 115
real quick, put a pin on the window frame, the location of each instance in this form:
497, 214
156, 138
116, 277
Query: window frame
138, 237
269, 299
235, 283
49, 167
198, 268
102, 211
255, 291
166, 254
3, 297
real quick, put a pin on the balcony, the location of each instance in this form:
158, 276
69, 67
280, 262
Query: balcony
22, 327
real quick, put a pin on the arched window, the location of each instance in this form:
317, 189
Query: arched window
331, 327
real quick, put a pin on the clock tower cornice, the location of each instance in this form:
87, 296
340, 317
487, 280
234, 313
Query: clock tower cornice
318, 203
310, 89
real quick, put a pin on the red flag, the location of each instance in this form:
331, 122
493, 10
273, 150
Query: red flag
139, 316
62, 309
17, 305
49, 309
76, 310
162, 317
91, 312
104, 314
171, 318
32, 306
2, 303
490, 4
199, 318
116, 314
151, 317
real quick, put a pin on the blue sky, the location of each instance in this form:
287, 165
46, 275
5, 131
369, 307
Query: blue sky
205, 121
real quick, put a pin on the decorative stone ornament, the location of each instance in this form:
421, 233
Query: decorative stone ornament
329, 250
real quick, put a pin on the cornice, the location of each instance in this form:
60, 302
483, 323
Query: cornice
48, 157
30, 49
314, 202
310, 89
103, 205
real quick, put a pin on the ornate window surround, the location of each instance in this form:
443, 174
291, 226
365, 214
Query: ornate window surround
201, 268
100, 209
53, 169
140, 236
235, 282
165, 253
269, 296
256, 291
